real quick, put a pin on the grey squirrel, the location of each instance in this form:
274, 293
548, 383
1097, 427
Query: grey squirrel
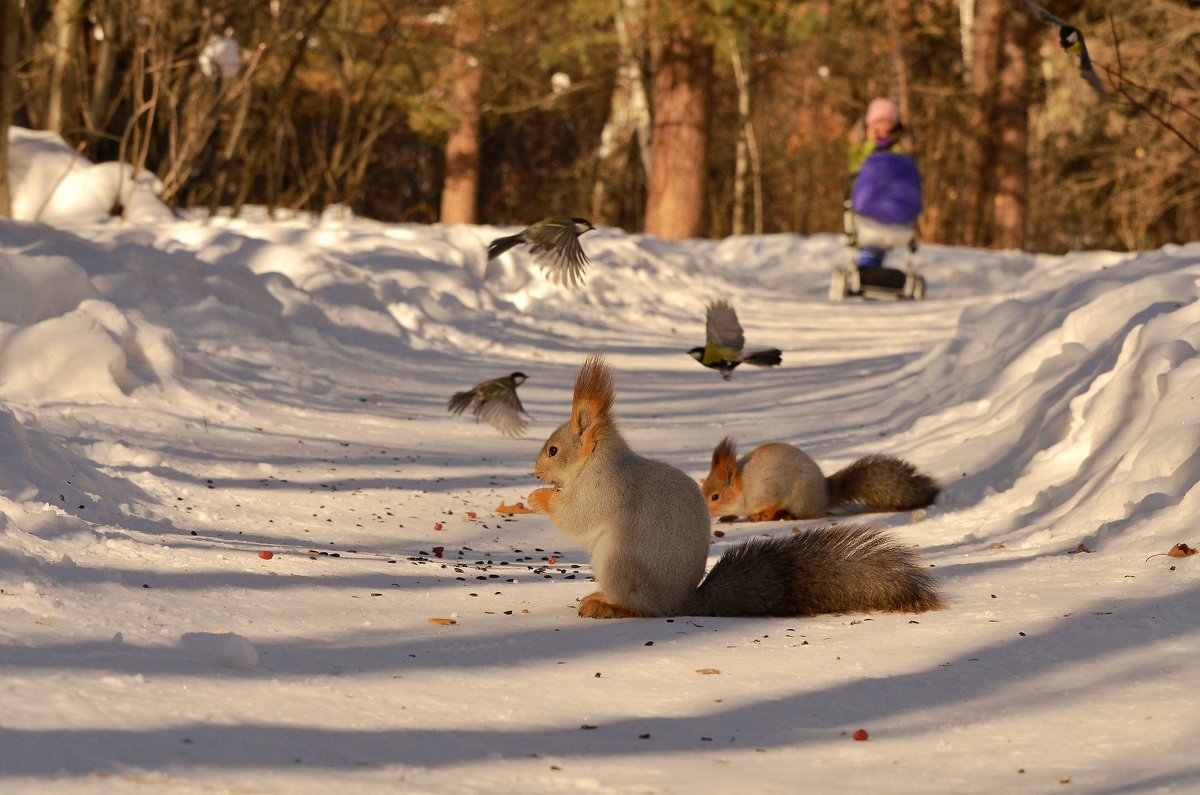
779, 481
646, 526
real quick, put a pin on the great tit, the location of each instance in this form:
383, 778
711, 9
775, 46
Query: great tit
724, 342
495, 401
554, 244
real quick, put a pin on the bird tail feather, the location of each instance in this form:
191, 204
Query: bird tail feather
459, 401
768, 358
503, 244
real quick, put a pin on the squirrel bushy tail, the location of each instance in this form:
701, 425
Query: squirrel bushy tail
882, 483
841, 568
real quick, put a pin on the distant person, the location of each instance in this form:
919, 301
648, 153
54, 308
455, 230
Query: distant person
885, 197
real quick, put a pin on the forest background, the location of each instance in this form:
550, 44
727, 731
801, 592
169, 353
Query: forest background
681, 118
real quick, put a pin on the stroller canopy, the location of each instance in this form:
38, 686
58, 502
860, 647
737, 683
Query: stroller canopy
887, 189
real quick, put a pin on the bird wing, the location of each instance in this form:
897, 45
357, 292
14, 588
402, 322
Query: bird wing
502, 408
559, 253
723, 328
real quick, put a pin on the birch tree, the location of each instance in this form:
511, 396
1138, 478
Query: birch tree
65, 26
628, 116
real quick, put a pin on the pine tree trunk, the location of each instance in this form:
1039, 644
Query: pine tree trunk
460, 190
979, 149
675, 207
10, 16
1012, 120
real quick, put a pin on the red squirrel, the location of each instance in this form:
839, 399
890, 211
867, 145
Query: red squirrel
646, 526
779, 481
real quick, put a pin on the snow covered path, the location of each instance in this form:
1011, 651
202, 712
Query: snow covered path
177, 397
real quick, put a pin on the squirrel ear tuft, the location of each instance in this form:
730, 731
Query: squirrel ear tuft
593, 394
724, 457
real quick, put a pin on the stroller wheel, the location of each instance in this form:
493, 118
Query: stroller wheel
914, 287
837, 284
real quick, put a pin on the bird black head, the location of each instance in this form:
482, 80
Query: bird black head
582, 225
697, 353
518, 378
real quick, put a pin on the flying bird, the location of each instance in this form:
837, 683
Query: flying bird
495, 401
554, 244
722, 349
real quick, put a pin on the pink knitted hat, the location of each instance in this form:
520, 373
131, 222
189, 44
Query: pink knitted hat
882, 109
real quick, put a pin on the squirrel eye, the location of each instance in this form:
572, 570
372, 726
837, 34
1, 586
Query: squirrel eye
716, 495
553, 451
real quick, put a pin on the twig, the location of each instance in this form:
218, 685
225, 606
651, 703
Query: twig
1119, 83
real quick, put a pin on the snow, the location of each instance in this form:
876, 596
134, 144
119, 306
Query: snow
179, 394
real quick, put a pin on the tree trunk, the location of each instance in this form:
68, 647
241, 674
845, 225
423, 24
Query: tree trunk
675, 207
741, 156
628, 116
65, 22
10, 16
460, 191
102, 82
966, 26
1012, 119
900, 30
979, 148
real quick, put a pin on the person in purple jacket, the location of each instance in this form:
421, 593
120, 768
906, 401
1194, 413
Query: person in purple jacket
886, 195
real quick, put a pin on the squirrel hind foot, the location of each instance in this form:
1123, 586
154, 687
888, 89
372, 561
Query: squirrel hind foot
772, 513
596, 605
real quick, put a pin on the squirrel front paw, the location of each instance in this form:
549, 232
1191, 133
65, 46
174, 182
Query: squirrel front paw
539, 499
595, 605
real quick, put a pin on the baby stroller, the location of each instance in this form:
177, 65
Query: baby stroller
881, 217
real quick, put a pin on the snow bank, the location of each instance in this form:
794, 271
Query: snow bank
51, 183
93, 353
36, 465
38, 288
1077, 400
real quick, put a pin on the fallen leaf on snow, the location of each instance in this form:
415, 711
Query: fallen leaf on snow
446, 622
1177, 551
